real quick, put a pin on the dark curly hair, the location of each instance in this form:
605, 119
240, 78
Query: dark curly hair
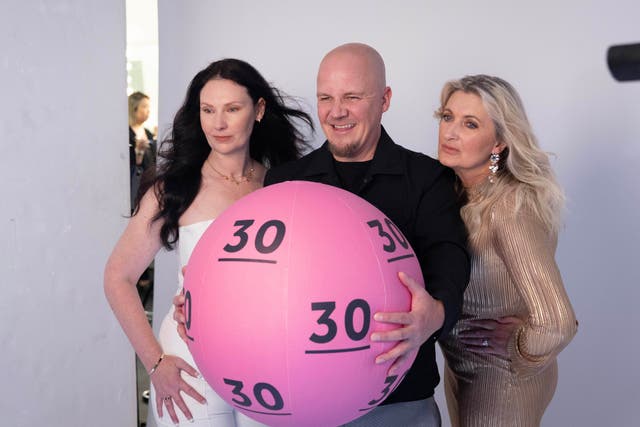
273, 141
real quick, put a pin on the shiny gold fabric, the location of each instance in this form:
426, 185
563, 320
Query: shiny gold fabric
513, 273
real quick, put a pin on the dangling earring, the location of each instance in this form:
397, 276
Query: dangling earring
493, 167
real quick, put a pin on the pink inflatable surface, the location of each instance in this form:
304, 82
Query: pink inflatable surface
281, 291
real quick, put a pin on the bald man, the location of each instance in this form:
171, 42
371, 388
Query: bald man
412, 190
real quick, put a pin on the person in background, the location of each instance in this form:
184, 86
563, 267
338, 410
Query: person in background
231, 124
142, 144
501, 367
142, 159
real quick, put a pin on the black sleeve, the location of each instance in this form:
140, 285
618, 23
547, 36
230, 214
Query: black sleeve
282, 173
269, 178
441, 247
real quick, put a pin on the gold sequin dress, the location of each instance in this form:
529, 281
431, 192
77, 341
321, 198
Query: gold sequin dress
513, 273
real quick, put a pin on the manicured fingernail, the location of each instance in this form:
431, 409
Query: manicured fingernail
375, 337
379, 360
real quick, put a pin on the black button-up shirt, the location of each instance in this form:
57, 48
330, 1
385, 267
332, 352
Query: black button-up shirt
417, 194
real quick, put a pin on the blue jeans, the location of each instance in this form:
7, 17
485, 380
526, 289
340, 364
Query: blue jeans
420, 413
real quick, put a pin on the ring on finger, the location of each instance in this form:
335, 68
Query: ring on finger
166, 398
485, 342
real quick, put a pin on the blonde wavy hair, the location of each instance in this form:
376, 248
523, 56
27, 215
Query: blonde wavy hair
525, 177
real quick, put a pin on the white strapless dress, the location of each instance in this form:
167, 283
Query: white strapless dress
216, 412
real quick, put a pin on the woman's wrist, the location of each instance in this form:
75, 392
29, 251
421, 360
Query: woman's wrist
155, 367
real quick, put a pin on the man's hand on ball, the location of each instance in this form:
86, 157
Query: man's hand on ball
416, 326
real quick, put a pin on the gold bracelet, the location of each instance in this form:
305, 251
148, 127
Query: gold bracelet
156, 365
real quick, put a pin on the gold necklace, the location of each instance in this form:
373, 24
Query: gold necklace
245, 178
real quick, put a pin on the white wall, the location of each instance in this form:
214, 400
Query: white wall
554, 52
64, 175
142, 47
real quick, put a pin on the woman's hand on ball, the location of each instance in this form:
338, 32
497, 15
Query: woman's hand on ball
424, 319
178, 315
169, 385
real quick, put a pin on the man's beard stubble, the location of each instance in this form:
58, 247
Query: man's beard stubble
344, 151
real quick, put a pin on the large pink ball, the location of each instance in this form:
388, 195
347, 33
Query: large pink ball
281, 291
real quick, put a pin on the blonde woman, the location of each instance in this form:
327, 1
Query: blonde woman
501, 365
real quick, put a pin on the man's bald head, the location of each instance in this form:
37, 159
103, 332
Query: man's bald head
361, 55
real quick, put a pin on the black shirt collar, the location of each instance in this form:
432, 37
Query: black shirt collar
386, 159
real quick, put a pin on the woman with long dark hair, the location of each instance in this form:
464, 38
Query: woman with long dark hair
231, 127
